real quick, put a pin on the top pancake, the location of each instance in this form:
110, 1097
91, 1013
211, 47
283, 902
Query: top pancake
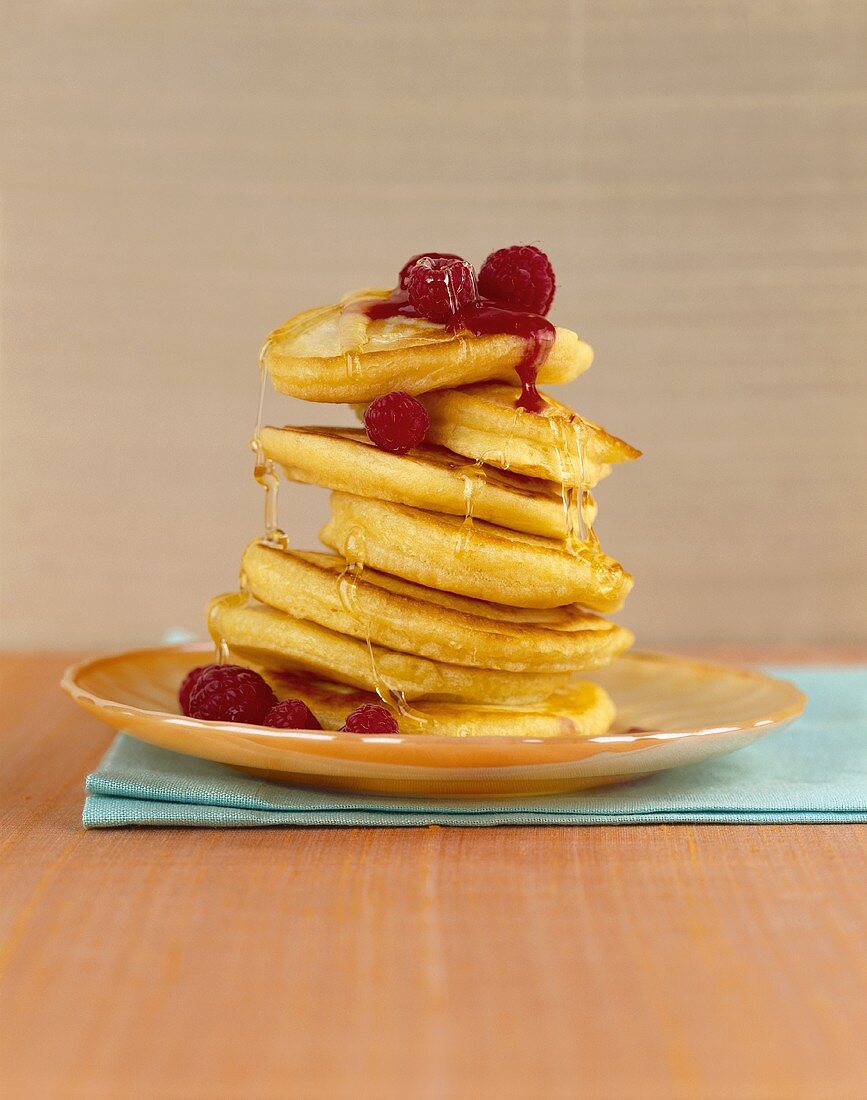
482, 422
332, 354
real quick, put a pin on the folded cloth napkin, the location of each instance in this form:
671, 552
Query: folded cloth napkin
816, 771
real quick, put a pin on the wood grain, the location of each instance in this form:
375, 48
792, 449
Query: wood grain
661, 962
180, 177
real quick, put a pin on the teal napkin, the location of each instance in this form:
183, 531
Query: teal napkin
815, 771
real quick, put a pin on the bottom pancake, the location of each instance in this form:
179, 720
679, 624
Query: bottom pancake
580, 709
275, 639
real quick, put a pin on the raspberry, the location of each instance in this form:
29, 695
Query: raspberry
403, 278
229, 693
292, 714
370, 718
438, 288
396, 422
520, 277
186, 689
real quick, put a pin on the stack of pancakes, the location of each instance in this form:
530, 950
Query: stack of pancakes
464, 575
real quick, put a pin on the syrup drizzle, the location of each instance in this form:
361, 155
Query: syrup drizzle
585, 500
265, 473
500, 456
354, 554
568, 436
231, 599
264, 470
475, 479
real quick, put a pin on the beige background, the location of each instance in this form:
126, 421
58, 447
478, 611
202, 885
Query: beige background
180, 177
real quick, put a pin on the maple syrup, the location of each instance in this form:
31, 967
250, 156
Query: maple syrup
354, 552
569, 436
387, 694
520, 413
265, 473
474, 479
354, 555
230, 599
499, 457
264, 470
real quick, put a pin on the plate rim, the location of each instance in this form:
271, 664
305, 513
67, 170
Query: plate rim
94, 704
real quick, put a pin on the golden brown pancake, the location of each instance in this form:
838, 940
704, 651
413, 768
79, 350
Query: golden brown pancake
482, 423
275, 639
427, 477
400, 615
496, 564
336, 354
580, 709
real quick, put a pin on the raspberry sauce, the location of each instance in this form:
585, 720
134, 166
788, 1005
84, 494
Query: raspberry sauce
483, 318
486, 318
397, 304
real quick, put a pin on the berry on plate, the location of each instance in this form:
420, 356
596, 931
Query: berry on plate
520, 277
186, 689
229, 693
292, 714
370, 718
396, 422
438, 288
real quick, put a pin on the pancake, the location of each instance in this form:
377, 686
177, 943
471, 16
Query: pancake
494, 563
403, 616
580, 709
335, 354
428, 477
481, 422
274, 639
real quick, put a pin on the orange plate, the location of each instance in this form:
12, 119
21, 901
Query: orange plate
670, 711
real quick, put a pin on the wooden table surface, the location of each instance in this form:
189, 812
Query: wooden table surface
682, 961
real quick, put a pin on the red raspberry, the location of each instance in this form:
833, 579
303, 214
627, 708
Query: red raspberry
521, 277
403, 278
229, 693
292, 714
396, 422
438, 288
370, 718
186, 689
